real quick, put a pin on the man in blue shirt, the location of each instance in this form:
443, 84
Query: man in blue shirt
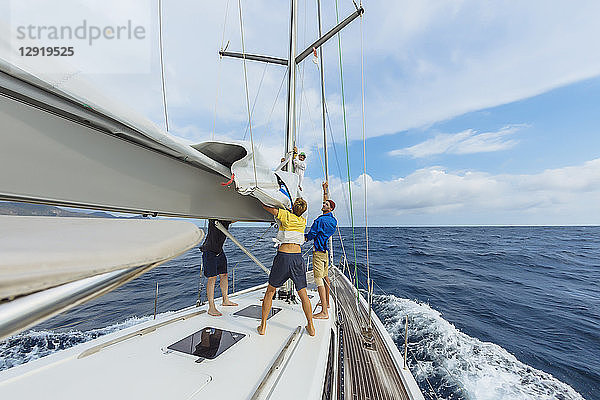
320, 232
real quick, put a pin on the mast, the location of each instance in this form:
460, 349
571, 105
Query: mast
292, 61
290, 131
323, 96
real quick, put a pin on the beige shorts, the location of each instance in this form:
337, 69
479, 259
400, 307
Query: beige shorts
320, 266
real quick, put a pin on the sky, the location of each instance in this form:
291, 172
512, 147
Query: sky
476, 113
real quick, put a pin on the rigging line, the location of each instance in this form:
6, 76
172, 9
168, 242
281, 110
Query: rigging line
219, 72
337, 161
299, 119
362, 87
162, 65
318, 152
276, 98
337, 15
320, 159
417, 362
247, 95
256, 97
424, 374
258, 240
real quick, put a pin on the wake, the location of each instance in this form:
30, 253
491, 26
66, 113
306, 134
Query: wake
459, 366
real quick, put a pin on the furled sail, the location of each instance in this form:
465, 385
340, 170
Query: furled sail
43, 252
252, 173
94, 154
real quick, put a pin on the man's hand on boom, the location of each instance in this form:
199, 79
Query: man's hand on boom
271, 210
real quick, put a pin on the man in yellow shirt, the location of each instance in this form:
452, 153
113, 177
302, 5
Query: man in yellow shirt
288, 262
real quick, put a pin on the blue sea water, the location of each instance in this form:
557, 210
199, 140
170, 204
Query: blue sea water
494, 312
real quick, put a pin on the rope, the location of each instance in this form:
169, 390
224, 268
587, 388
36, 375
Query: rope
337, 16
162, 66
417, 362
362, 81
276, 98
337, 161
247, 95
256, 242
299, 119
256, 97
219, 72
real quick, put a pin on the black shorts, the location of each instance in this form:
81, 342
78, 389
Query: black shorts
214, 264
288, 265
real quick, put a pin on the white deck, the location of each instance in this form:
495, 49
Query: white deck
140, 367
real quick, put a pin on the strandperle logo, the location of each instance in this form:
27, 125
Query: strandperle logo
84, 32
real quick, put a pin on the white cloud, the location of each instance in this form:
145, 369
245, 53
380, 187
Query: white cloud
425, 62
435, 196
466, 142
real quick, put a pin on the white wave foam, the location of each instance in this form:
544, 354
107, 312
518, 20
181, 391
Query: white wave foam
477, 370
30, 345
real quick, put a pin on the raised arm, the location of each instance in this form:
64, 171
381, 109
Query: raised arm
271, 210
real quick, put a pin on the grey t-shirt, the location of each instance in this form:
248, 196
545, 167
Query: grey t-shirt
215, 238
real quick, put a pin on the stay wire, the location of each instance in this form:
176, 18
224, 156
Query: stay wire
219, 71
247, 94
335, 151
276, 99
162, 65
362, 86
258, 240
337, 15
337, 160
256, 98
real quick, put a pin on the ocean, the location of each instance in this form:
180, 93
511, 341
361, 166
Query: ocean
494, 312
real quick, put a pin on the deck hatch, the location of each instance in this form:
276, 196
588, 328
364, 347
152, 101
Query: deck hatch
255, 311
207, 343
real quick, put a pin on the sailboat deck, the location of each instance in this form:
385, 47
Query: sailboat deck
139, 362
136, 362
368, 373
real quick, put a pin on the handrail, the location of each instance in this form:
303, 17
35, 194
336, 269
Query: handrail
405, 341
95, 349
27, 311
283, 354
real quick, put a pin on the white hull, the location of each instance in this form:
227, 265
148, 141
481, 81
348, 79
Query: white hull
135, 362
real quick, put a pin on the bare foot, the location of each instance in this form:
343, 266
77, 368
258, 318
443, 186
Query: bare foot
321, 315
228, 303
214, 313
261, 329
310, 329
320, 304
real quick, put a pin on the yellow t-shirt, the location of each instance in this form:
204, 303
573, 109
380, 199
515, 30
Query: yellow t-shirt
290, 222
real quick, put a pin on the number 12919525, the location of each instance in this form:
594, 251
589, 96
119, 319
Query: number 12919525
55, 51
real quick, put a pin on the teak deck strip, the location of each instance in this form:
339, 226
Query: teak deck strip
368, 374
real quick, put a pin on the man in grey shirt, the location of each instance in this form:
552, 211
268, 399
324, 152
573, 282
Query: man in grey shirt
215, 263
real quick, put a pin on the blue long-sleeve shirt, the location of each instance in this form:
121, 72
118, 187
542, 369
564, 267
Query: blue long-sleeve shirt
321, 230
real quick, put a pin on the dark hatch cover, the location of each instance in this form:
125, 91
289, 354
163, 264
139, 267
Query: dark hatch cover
207, 343
255, 311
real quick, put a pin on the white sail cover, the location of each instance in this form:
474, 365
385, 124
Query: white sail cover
252, 174
43, 252
72, 84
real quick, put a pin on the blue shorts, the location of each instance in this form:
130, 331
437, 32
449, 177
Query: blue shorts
214, 264
288, 265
